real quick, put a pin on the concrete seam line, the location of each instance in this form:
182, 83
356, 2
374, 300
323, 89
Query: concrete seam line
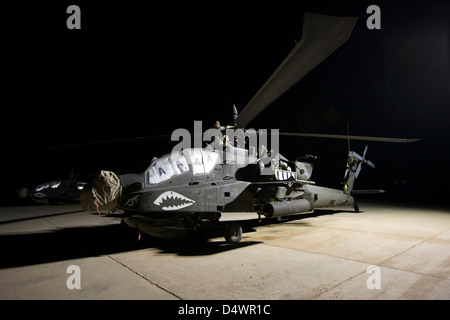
145, 278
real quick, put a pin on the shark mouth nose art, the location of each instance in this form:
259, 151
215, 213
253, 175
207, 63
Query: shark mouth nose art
171, 200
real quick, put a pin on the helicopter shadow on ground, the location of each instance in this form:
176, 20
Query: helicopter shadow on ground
206, 243
203, 243
81, 242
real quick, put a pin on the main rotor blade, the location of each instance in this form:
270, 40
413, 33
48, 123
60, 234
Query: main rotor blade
345, 137
365, 151
321, 36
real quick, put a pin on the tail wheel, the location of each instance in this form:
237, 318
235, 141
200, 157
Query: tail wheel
233, 233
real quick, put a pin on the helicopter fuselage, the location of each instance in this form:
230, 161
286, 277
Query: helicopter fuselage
196, 186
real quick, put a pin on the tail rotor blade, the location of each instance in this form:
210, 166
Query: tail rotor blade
346, 173
358, 170
357, 156
365, 151
370, 164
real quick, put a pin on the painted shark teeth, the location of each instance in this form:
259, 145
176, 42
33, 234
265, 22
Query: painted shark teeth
171, 200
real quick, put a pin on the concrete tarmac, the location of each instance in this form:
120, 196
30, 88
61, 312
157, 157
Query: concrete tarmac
383, 252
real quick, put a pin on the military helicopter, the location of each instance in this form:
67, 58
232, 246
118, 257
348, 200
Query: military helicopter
191, 188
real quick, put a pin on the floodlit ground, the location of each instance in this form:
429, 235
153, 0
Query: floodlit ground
384, 252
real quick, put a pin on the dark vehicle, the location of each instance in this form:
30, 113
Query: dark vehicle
57, 191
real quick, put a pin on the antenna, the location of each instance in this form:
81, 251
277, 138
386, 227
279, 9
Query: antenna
235, 115
348, 137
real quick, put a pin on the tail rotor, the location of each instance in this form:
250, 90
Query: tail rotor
354, 165
356, 158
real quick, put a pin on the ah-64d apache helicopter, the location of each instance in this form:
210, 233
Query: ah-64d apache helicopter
191, 188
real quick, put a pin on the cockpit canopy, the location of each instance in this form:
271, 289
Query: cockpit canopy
200, 161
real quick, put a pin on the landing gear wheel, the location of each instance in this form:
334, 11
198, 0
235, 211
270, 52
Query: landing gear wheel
233, 233
356, 208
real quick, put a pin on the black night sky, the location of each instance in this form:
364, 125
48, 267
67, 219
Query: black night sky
136, 70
